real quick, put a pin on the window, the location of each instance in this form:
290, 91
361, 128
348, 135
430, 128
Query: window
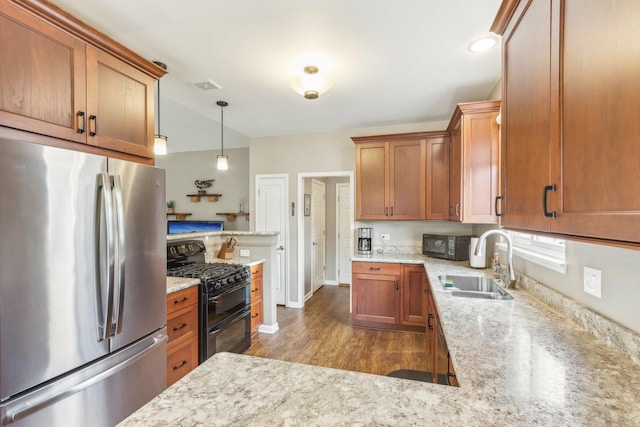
542, 250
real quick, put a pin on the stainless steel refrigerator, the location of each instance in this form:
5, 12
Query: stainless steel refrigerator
82, 286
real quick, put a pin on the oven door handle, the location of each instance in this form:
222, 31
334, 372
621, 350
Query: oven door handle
215, 299
219, 328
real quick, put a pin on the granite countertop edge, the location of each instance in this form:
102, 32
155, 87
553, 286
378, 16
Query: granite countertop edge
518, 363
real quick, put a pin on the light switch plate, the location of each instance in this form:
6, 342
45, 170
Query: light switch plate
245, 252
592, 280
385, 236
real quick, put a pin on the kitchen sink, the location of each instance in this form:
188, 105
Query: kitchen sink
474, 287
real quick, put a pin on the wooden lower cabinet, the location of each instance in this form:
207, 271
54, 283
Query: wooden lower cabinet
182, 329
439, 359
257, 280
388, 296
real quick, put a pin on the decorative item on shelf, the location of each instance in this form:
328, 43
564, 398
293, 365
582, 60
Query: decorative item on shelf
171, 206
226, 250
223, 161
159, 140
203, 184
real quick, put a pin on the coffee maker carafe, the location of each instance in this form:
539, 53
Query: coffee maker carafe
364, 240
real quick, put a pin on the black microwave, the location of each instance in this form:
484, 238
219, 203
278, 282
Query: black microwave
455, 248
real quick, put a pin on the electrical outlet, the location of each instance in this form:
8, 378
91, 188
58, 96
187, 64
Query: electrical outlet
592, 280
245, 252
385, 236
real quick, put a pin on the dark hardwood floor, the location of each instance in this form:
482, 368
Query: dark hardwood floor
321, 334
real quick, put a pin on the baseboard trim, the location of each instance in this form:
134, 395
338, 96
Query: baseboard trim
269, 329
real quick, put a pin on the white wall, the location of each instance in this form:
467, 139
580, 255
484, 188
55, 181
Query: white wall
184, 168
311, 153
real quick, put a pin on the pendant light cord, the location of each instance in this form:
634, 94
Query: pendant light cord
222, 128
158, 106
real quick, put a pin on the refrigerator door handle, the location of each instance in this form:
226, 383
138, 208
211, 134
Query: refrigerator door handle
105, 305
53, 396
121, 255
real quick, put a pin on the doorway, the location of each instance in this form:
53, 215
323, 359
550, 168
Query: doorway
307, 255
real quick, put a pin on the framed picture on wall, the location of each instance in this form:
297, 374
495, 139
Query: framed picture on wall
307, 204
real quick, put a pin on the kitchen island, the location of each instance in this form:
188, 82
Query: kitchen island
518, 362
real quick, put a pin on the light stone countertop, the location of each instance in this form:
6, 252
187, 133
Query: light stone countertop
223, 233
175, 284
518, 363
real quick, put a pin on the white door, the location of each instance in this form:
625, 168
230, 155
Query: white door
271, 215
317, 234
344, 233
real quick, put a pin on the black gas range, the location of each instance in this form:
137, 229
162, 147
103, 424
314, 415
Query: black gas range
224, 301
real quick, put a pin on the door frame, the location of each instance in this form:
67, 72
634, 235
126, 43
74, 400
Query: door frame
314, 267
338, 203
300, 203
287, 262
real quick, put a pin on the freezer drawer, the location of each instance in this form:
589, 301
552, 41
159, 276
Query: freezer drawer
101, 394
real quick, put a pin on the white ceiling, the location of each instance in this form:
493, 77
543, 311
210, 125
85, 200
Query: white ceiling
394, 62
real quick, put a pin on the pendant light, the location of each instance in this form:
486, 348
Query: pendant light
159, 140
223, 161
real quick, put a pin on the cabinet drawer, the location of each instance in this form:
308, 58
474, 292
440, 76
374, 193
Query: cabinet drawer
182, 299
375, 268
256, 289
256, 271
181, 360
256, 316
181, 323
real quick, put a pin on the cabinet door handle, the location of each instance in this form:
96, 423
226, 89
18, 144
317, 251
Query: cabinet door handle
254, 290
391, 210
177, 328
386, 211
180, 301
82, 116
255, 315
495, 208
374, 268
179, 365
93, 119
429, 317
546, 213
397, 286
457, 209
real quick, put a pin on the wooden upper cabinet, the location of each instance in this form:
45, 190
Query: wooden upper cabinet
392, 176
372, 180
571, 97
120, 105
597, 164
42, 75
437, 175
61, 78
407, 179
526, 117
474, 162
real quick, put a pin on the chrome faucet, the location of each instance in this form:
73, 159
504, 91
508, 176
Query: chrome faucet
511, 274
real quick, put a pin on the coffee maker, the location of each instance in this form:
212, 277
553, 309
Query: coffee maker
364, 240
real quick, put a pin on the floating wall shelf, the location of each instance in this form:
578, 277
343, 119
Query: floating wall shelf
180, 216
231, 216
210, 197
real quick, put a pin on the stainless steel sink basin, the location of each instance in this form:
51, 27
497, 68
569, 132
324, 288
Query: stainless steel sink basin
473, 287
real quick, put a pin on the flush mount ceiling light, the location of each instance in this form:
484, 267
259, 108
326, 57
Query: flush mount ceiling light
311, 84
159, 140
223, 161
483, 43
